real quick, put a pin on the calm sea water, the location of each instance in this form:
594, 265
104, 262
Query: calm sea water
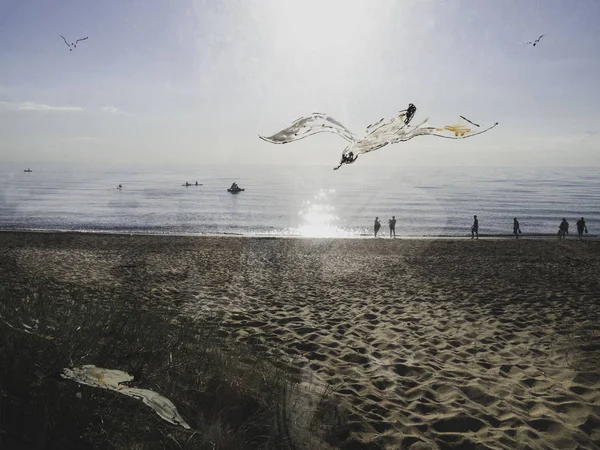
300, 201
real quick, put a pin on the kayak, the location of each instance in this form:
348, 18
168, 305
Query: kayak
188, 185
235, 191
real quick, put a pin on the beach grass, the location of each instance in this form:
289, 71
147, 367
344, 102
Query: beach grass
231, 395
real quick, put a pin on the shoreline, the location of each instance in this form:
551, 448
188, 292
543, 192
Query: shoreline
538, 236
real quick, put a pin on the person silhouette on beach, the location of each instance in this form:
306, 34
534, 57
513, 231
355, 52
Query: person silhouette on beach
580, 227
376, 226
392, 224
516, 228
475, 228
563, 229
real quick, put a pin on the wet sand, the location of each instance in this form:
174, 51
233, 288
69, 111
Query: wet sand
428, 343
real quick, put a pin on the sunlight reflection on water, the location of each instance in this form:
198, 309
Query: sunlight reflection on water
318, 217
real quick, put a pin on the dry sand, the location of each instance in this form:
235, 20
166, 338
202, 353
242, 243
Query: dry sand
429, 343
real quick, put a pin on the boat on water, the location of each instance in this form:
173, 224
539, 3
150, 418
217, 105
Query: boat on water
234, 189
28, 170
191, 184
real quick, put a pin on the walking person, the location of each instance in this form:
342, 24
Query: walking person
392, 224
376, 226
475, 228
563, 229
580, 227
516, 228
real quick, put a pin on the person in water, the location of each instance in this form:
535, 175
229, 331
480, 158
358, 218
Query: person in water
516, 229
475, 228
119, 187
563, 229
392, 224
580, 227
196, 183
376, 226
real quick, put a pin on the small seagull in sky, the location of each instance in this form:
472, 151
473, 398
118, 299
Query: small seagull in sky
535, 42
73, 45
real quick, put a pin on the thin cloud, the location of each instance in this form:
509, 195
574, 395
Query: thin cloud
111, 110
29, 106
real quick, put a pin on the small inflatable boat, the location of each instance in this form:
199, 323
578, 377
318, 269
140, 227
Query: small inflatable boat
235, 191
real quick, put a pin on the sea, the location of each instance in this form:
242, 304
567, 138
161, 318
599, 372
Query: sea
309, 201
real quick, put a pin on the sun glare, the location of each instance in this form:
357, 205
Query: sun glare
320, 27
319, 217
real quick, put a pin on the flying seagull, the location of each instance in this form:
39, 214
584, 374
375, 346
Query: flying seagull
73, 45
535, 42
377, 135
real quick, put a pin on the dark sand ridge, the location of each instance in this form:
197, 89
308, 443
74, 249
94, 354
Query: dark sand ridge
430, 343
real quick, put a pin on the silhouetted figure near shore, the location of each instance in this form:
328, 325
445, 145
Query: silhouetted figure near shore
563, 229
392, 224
516, 228
580, 228
376, 226
475, 228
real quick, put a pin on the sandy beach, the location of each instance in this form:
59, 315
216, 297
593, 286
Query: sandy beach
427, 343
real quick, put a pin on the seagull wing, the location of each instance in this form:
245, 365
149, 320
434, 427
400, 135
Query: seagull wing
65, 40
307, 126
464, 118
538, 39
457, 131
81, 39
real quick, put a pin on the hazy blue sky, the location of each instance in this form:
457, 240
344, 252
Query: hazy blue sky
196, 81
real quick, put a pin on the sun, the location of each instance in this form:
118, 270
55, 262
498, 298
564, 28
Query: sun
317, 27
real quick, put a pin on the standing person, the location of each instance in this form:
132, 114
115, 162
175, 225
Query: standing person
563, 229
580, 227
376, 226
392, 224
475, 228
516, 229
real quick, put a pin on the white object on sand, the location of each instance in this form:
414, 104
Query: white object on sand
111, 379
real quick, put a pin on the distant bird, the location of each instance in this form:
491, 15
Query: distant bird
74, 45
535, 42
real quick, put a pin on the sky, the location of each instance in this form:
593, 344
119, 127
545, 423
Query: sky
196, 81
